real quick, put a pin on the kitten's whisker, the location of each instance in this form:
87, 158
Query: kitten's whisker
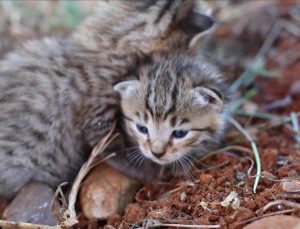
184, 169
189, 170
134, 147
212, 140
125, 159
175, 167
141, 161
191, 156
138, 160
127, 149
134, 158
172, 166
185, 160
190, 162
133, 155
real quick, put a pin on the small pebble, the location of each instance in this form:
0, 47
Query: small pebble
205, 178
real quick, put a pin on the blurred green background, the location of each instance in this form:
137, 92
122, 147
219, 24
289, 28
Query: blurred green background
23, 20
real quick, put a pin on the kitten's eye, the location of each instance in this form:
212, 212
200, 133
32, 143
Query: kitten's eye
142, 129
179, 133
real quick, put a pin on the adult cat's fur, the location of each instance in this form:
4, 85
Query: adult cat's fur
56, 95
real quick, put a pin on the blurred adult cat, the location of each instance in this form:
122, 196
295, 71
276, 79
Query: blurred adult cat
56, 95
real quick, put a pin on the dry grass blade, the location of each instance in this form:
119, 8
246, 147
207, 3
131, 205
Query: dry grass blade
85, 169
227, 148
13, 225
296, 126
265, 215
255, 151
156, 223
276, 202
185, 226
59, 213
272, 123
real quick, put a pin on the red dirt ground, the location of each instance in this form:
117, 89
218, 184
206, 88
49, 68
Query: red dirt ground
199, 202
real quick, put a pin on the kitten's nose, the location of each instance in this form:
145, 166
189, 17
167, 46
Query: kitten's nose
158, 154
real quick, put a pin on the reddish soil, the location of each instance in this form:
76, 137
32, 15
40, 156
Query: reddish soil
198, 202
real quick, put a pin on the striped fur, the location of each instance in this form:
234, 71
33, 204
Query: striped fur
174, 93
56, 95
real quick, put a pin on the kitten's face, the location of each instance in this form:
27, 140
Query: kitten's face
172, 109
167, 140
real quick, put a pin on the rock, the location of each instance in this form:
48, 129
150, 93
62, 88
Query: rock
243, 214
205, 178
275, 222
31, 205
106, 192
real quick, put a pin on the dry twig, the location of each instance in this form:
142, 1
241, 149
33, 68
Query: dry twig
276, 202
227, 148
156, 223
254, 149
85, 169
59, 213
13, 225
265, 215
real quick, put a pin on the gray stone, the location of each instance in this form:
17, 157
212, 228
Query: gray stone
31, 205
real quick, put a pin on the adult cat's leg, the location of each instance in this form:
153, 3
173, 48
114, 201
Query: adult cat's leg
12, 178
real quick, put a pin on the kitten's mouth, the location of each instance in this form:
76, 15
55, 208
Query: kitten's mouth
160, 161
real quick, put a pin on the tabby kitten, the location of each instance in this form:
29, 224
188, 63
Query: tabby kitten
174, 110
56, 95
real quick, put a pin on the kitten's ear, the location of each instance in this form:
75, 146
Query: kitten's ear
202, 25
200, 22
126, 88
208, 97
